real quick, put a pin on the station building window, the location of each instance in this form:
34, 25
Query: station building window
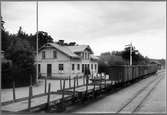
92, 66
78, 66
43, 54
73, 67
95, 66
61, 67
54, 54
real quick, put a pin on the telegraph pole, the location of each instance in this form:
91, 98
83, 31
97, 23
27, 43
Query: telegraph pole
37, 42
130, 55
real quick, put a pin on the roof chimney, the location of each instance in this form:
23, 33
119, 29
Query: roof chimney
61, 42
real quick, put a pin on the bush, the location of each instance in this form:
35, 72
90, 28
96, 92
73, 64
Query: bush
10, 74
6, 79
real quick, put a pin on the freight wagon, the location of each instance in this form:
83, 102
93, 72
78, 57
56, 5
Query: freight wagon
126, 73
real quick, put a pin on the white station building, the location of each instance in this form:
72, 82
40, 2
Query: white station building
55, 60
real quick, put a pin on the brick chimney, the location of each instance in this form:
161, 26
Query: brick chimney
61, 42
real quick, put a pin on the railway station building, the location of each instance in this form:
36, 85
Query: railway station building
57, 61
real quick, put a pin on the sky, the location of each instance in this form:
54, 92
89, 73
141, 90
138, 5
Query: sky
104, 25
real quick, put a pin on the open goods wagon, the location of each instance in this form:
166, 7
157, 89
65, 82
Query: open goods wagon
126, 73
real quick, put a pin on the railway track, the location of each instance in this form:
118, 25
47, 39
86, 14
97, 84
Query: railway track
134, 104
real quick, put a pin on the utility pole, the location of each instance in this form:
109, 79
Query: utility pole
37, 42
132, 49
130, 54
130, 45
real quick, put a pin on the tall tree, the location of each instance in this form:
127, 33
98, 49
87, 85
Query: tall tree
43, 38
22, 57
5, 39
5, 36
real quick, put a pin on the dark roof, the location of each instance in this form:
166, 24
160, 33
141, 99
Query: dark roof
80, 48
70, 50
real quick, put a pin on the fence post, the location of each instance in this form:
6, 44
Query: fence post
63, 83
74, 88
86, 83
105, 79
63, 90
83, 80
110, 79
31, 80
77, 80
61, 106
69, 82
92, 74
48, 99
29, 98
88, 79
100, 83
45, 84
60, 84
14, 93
94, 86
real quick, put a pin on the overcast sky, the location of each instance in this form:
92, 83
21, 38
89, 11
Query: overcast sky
104, 25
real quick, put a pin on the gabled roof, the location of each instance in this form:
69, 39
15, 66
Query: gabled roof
63, 49
70, 50
80, 48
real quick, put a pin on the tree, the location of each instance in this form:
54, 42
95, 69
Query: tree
43, 38
5, 38
2, 24
21, 54
109, 59
116, 53
121, 58
19, 49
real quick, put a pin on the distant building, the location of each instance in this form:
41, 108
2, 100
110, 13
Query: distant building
58, 60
